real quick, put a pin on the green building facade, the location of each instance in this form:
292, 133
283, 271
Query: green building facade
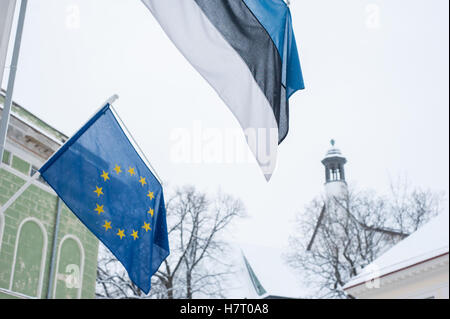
45, 251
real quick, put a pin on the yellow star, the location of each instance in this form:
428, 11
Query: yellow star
142, 181
135, 234
146, 227
120, 233
99, 209
118, 169
131, 171
105, 176
150, 195
98, 191
107, 225
151, 211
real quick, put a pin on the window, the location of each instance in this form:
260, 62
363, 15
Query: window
20, 165
29, 258
6, 157
69, 269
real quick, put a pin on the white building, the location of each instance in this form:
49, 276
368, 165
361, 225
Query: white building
416, 267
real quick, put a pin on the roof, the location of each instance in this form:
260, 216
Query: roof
264, 274
259, 289
334, 157
33, 121
333, 152
429, 242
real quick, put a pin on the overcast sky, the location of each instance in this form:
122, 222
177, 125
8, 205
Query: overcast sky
376, 75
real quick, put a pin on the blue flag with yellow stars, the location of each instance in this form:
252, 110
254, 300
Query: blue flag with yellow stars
101, 177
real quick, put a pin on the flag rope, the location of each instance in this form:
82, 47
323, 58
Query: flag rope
147, 162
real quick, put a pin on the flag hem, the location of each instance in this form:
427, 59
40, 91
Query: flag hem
73, 139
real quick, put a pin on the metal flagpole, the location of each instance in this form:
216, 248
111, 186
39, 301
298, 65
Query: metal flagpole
10, 201
6, 20
19, 192
12, 78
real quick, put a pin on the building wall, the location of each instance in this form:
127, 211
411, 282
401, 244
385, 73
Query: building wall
425, 281
27, 232
433, 285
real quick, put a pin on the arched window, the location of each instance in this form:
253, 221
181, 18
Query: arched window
69, 269
29, 258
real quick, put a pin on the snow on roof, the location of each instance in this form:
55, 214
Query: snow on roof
268, 270
33, 121
429, 241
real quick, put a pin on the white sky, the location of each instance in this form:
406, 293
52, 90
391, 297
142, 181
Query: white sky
377, 81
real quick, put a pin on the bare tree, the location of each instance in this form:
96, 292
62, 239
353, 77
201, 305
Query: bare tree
113, 281
196, 265
337, 237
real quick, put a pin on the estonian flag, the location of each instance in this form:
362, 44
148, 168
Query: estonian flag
102, 179
246, 50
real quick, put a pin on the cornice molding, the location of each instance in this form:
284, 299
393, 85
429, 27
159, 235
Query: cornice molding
409, 274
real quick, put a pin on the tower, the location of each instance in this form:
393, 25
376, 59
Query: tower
335, 184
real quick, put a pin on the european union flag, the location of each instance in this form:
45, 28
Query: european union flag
101, 177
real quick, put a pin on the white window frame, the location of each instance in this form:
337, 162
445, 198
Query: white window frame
43, 256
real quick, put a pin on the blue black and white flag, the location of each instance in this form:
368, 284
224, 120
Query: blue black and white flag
247, 51
101, 177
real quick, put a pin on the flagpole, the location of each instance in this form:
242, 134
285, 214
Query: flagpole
30, 181
12, 78
19, 192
